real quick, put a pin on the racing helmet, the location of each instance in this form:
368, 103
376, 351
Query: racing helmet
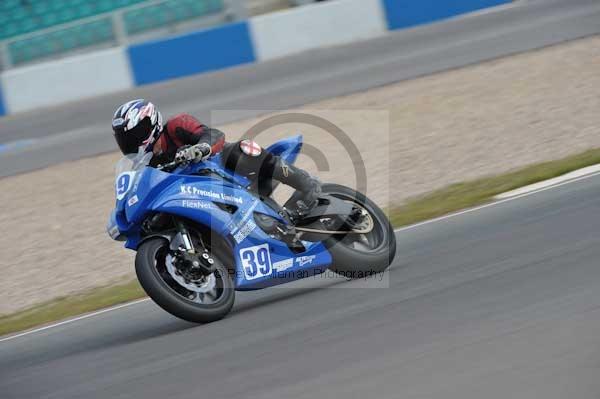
136, 123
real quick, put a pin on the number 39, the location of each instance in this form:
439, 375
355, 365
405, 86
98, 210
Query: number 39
256, 261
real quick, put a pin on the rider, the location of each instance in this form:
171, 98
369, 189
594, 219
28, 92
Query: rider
138, 123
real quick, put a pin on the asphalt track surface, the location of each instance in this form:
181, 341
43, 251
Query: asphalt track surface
44, 137
500, 302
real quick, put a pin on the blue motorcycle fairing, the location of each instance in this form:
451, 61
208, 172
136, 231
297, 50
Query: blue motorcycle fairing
262, 264
288, 148
261, 260
194, 198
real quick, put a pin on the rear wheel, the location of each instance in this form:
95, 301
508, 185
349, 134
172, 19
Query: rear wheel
357, 255
199, 299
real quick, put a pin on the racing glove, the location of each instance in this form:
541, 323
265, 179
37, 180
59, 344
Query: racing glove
194, 153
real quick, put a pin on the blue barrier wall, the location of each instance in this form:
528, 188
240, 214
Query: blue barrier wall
2, 107
405, 13
189, 54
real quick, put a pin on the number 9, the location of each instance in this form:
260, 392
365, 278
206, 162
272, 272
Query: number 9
122, 185
263, 261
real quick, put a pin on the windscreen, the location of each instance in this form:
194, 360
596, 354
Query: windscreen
126, 169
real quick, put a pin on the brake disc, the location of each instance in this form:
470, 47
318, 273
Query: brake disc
201, 285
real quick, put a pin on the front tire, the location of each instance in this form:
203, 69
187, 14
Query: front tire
150, 269
355, 256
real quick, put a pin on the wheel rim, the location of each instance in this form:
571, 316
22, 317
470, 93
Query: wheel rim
207, 290
366, 242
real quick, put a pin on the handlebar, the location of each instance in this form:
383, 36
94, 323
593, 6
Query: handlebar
170, 165
188, 154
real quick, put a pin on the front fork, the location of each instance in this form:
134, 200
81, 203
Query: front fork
182, 241
186, 254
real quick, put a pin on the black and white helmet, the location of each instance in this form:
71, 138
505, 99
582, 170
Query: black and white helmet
136, 123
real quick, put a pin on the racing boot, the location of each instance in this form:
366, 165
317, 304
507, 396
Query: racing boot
307, 188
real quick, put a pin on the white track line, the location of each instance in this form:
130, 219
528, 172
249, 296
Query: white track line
412, 226
550, 182
469, 210
85, 316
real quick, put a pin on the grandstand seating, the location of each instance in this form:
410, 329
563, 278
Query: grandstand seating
167, 13
18, 17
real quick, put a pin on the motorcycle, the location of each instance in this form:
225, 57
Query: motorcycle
202, 232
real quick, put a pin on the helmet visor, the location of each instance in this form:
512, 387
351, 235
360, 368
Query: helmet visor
129, 141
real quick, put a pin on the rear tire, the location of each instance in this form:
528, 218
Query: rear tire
357, 263
149, 255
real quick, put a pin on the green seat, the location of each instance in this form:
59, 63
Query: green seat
102, 30
19, 13
74, 3
9, 30
61, 41
16, 19
28, 25
40, 14
40, 7
19, 52
26, 50
86, 10
58, 5
172, 11
180, 13
105, 5
66, 15
67, 39
158, 15
215, 6
134, 21
48, 20
9, 4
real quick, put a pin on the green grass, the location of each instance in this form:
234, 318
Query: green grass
63, 308
438, 203
476, 192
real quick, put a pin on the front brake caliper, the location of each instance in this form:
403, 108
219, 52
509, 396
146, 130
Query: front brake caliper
193, 262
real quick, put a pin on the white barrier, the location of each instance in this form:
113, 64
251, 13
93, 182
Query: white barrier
337, 22
68, 79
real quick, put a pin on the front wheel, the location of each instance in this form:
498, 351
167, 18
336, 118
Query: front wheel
204, 300
356, 255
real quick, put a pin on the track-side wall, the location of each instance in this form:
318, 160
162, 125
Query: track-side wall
259, 39
325, 24
403, 14
189, 54
68, 79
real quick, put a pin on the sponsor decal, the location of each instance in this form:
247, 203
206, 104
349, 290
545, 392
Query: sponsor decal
240, 218
244, 231
190, 190
285, 169
196, 204
305, 260
283, 265
133, 200
256, 261
250, 148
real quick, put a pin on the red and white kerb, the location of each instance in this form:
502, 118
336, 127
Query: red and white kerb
250, 148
